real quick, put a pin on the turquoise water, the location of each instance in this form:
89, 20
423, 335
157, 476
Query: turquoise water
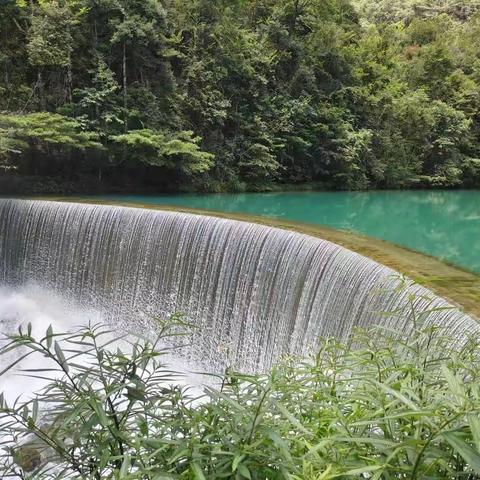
445, 224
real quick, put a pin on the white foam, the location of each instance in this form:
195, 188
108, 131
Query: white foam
41, 308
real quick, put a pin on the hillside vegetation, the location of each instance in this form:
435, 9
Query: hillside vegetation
216, 95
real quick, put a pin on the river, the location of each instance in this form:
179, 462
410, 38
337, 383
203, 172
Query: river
444, 224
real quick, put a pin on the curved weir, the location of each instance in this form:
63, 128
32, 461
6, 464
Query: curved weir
253, 292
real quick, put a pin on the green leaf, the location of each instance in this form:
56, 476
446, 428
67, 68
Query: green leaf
244, 471
365, 469
136, 394
25, 412
474, 422
35, 410
60, 356
237, 459
279, 442
184, 452
100, 412
104, 458
454, 383
49, 336
16, 362
125, 466
466, 451
291, 418
197, 471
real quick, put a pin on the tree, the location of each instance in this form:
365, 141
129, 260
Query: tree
39, 132
48, 128
10, 146
178, 150
354, 95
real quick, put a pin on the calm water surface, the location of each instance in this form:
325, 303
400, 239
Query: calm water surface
445, 224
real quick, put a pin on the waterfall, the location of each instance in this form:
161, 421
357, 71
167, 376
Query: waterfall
253, 292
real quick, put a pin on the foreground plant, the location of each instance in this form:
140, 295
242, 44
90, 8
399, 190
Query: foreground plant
383, 407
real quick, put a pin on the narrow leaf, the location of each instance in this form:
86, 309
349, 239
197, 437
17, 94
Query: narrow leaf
466, 451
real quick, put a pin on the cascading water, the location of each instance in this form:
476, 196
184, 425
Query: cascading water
253, 292
31, 304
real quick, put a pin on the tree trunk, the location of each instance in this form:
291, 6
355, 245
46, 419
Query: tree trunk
125, 115
95, 35
296, 12
69, 78
7, 76
41, 90
125, 78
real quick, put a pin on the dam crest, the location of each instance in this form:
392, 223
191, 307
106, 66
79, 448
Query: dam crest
252, 292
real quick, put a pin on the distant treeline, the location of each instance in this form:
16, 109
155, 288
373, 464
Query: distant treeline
217, 95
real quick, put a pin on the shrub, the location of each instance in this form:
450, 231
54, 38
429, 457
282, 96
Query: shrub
380, 407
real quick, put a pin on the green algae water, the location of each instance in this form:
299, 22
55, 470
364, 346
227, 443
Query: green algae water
444, 224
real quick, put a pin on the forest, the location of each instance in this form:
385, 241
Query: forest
238, 95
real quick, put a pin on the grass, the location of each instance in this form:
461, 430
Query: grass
379, 406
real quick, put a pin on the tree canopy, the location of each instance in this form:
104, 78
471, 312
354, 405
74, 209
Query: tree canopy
216, 95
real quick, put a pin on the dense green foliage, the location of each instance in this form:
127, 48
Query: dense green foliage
388, 407
241, 94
